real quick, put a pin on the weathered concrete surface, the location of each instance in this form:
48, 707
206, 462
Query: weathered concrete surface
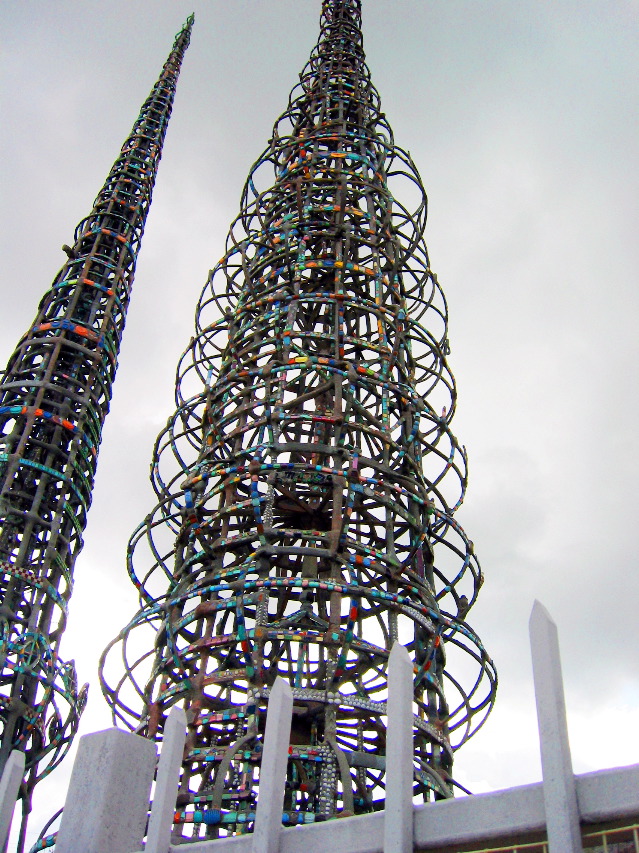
560, 792
167, 780
603, 795
108, 798
268, 817
9, 786
398, 811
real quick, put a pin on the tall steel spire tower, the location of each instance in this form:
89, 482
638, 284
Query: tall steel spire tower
308, 522
54, 397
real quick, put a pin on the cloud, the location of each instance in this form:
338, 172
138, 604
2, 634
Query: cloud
520, 118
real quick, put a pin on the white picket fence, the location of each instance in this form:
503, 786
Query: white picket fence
107, 803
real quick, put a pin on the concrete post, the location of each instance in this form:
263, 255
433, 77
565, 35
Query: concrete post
108, 798
9, 786
158, 837
398, 808
268, 818
560, 792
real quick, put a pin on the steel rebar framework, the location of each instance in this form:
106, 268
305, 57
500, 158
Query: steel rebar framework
54, 397
308, 522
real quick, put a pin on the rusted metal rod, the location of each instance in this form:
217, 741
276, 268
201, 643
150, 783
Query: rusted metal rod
54, 398
307, 482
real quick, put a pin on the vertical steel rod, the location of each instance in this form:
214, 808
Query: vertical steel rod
307, 482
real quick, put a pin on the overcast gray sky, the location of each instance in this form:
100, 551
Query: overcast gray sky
522, 119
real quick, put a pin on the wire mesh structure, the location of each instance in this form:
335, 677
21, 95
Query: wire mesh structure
307, 482
54, 397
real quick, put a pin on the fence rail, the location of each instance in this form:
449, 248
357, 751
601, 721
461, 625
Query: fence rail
622, 839
108, 800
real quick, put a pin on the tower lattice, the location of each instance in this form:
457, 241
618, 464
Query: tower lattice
308, 522
54, 397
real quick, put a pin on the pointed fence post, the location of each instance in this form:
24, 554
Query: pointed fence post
158, 837
398, 808
560, 791
268, 818
9, 787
